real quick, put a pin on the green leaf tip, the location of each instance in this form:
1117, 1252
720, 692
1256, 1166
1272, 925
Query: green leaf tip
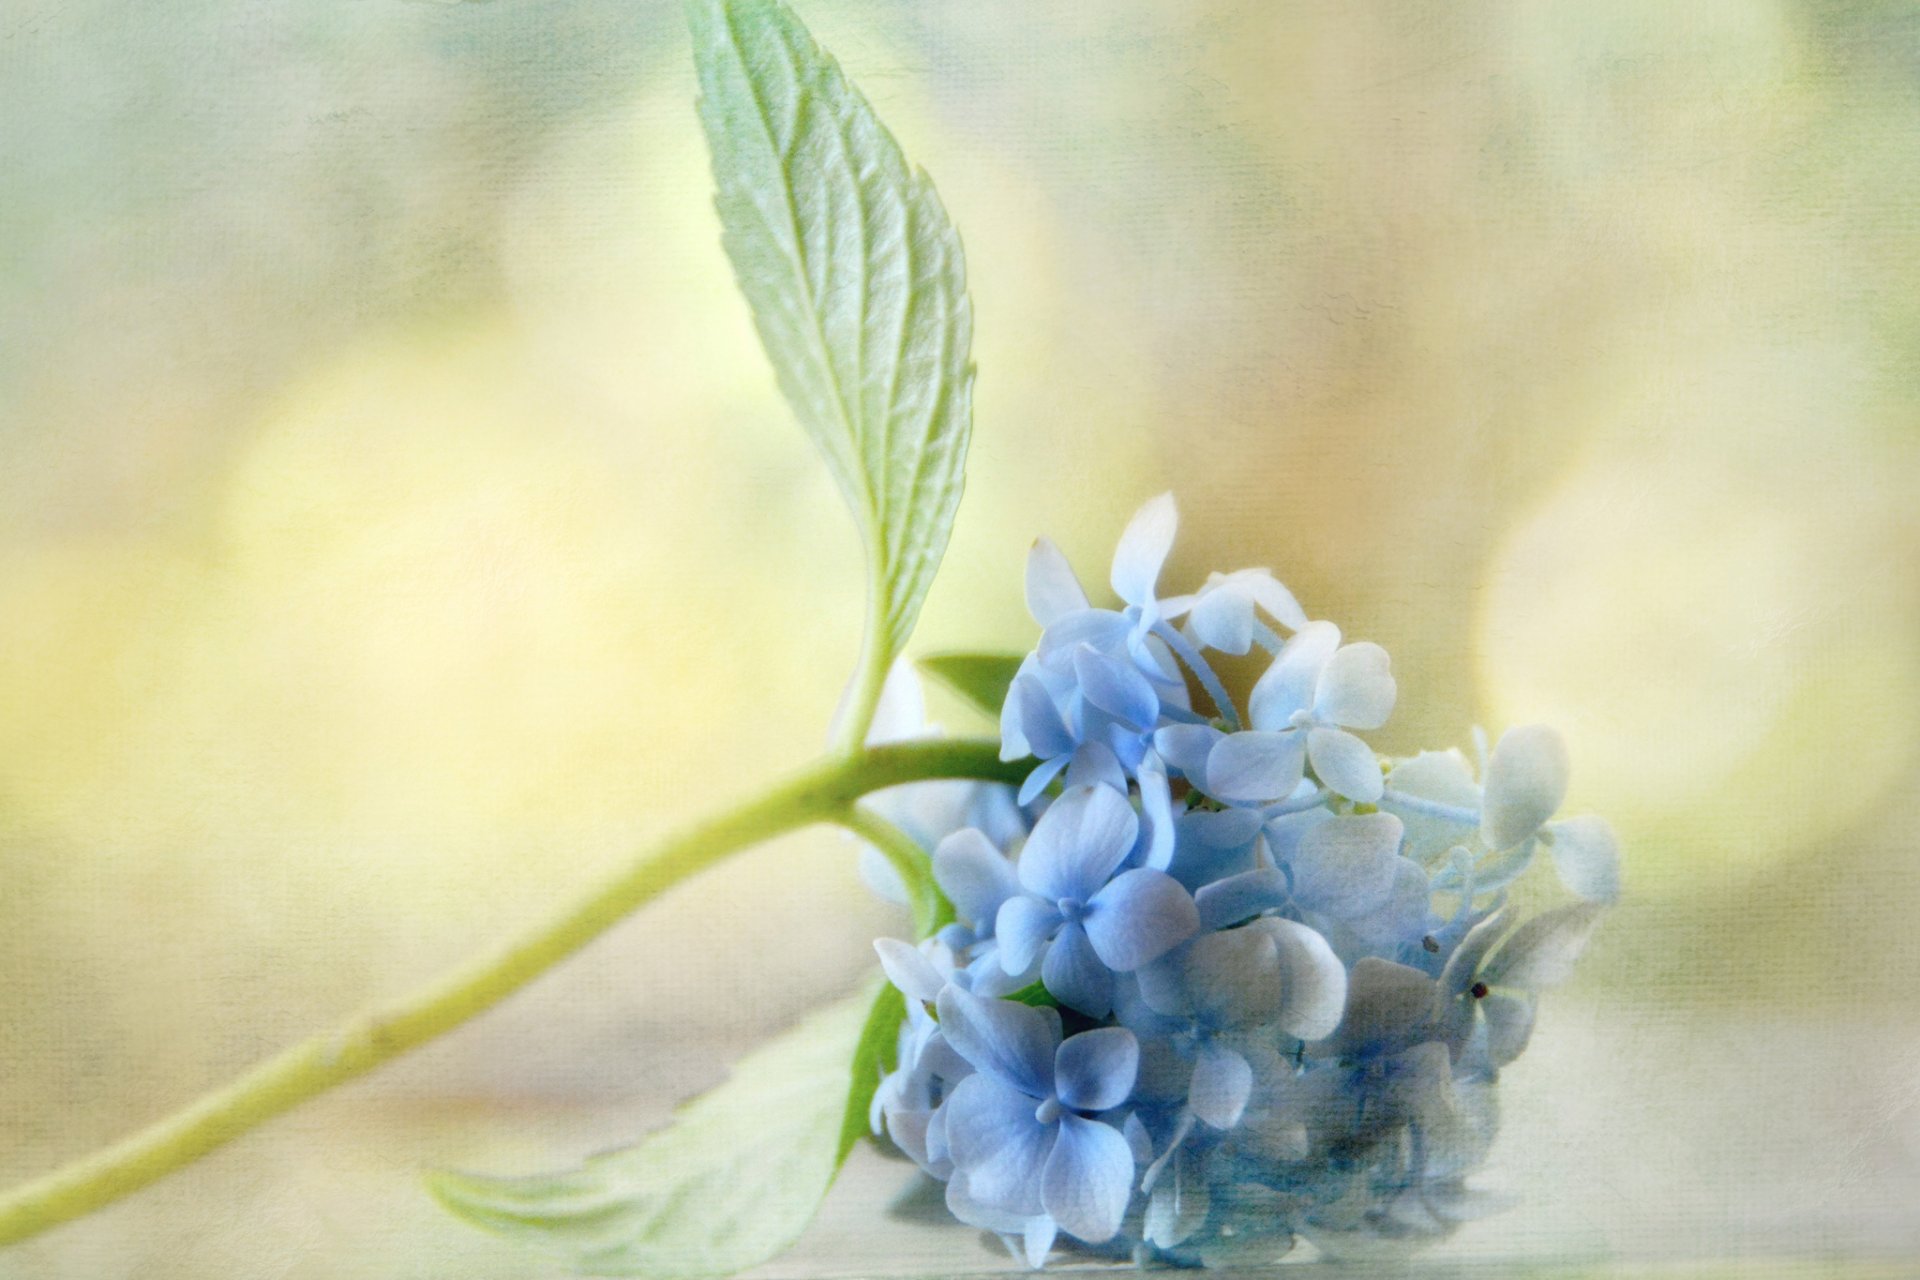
731, 1182
979, 678
857, 284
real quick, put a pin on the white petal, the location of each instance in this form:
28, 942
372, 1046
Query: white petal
1587, 857
1541, 953
1509, 1025
1346, 764
1222, 1082
1288, 685
1356, 687
1222, 619
1313, 982
910, 970
1526, 781
1052, 588
1178, 1206
1143, 549
880, 877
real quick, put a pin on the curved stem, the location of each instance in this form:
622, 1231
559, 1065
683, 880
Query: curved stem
1201, 671
824, 792
1432, 808
903, 853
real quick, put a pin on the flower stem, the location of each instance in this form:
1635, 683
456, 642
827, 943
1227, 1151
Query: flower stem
903, 853
824, 792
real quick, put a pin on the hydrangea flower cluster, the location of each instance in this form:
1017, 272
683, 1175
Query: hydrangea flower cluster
1224, 978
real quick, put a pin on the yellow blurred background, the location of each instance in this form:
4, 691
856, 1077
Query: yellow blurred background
399, 525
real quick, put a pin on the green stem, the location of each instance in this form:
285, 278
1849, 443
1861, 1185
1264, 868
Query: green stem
869, 679
824, 792
931, 909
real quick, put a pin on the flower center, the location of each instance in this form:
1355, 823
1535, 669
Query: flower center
1301, 719
1048, 1111
1072, 910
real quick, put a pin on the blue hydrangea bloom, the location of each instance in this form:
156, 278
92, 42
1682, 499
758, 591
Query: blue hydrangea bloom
1225, 978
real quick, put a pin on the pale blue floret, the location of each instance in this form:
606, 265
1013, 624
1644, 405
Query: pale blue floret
1022, 1131
1083, 922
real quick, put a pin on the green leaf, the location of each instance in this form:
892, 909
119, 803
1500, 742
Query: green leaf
729, 1184
873, 1057
1035, 994
857, 284
980, 678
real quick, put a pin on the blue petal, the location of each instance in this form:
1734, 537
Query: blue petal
1078, 843
1143, 550
1186, 747
1075, 976
1233, 978
1052, 589
1211, 846
1095, 1070
995, 1141
1255, 766
1405, 915
1036, 1240
1156, 807
1222, 1082
1388, 1005
1116, 687
1088, 1179
975, 876
1022, 927
1222, 619
1140, 917
1104, 629
1094, 764
1002, 1038
1040, 722
1237, 898
1162, 986
1013, 738
1288, 685
1042, 774
1346, 866
1346, 764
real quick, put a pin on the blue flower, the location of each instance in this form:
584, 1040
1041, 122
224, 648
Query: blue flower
1021, 1130
1301, 710
1224, 613
1082, 921
1270, 976
978, 879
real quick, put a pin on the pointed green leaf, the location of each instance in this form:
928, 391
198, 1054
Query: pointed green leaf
730, 1183
873, 1057
857, 285
980, 678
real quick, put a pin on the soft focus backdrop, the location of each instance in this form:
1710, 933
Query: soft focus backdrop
399, 524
